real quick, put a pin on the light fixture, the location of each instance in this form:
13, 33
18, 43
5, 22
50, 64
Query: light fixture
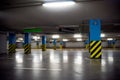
18, 41
65, 39
35, 37
77, 35
78, 39
109, 39
55, 36
59, 4
102, 35
21, 39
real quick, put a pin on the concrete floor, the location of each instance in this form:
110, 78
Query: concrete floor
60, 65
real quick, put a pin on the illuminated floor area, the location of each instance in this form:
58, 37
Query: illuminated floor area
60, 65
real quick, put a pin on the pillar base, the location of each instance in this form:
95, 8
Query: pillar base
37, 47
43, 47
54, 47
27, 48
95, 50
60, 46
12, 48
87, 46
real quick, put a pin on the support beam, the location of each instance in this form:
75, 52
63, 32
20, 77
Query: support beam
95, 39
12, 43
61, 45
27, 43
54, 44
43, 43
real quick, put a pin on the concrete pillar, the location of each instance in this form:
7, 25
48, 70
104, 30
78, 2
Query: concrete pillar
3, 43
54, 44
27, 43
43, 43
113, 43
12, 43
95, 39
61, 44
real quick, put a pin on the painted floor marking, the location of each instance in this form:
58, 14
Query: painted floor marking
37, 69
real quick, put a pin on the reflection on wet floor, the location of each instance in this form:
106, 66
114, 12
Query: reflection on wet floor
60, 65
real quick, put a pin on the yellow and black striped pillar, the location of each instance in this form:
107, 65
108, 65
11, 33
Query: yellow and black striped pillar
12, 48
87, 46
54, 47
61, 46
27, 48
12, 43
43, 47
43, 43
95, 49
54, 44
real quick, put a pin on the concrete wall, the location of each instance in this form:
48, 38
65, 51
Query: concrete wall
3, 43
50, 45
75, 44
117, 44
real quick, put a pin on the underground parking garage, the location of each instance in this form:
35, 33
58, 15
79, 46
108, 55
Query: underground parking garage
60, 40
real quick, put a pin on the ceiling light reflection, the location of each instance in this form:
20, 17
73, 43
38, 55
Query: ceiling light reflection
59, 4
19, 59
78, 59
65, 56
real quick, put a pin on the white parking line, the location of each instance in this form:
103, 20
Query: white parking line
41, 69
30, 68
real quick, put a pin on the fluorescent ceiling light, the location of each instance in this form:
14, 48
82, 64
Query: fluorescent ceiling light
55, 36
59, 4
35, 37
102, 35
78, 39
77, 35
21, 39
109, 39
18, 41
65, 39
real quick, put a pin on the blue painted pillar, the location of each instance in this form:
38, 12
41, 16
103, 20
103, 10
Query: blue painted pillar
27, 43
95, 39
12, 43
61, 44
54, 44
43, 43
111, 43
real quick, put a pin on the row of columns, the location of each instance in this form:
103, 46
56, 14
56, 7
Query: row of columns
27, 43
94, 39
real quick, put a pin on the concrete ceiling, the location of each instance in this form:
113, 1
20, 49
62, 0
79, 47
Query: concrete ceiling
15, 15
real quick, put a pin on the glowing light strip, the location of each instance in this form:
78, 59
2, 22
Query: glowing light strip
59, 4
